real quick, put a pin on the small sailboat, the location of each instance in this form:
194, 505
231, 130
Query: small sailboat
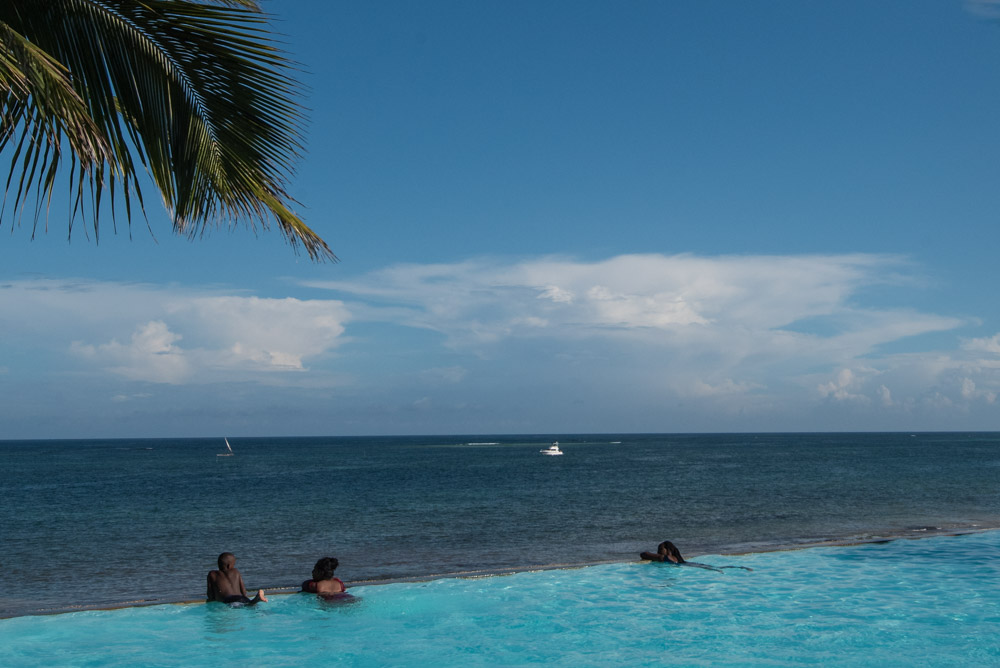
552, 449
229, 449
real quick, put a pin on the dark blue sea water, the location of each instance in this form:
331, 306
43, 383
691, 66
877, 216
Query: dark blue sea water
124, 521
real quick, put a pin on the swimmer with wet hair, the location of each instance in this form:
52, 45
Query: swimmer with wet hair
323, 582
226, 584
667, 552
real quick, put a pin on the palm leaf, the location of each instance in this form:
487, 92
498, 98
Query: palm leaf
37, 96
195, 93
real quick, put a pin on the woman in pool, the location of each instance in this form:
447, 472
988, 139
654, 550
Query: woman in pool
323, 582
667, 552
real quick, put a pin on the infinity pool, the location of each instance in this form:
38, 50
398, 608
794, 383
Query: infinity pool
928, 602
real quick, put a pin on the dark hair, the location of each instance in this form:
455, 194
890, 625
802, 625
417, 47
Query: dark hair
226, 558
326, 566
668, 549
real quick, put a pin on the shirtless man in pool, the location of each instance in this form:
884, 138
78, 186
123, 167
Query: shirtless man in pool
226, 584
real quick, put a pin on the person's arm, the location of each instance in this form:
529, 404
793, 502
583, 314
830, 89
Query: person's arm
697, 565
243, 589
210, 594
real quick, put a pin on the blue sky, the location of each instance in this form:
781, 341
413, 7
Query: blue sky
564, 217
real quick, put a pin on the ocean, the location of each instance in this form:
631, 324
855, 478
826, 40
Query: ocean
103, 523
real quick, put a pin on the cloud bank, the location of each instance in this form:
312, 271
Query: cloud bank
633, 342
171, 335
737, 333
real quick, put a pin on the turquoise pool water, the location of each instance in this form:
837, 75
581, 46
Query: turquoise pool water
934, 601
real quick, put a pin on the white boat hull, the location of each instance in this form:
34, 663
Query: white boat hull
552, 449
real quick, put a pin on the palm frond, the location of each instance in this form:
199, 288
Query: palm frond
195, 93
37, 97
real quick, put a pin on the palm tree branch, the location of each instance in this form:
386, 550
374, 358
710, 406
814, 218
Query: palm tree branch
197, 92
38, 101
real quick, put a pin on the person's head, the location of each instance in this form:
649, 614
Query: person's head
324, 568
226, 561
670, 551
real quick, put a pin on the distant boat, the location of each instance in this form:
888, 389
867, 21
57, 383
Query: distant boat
228, 447
552, 449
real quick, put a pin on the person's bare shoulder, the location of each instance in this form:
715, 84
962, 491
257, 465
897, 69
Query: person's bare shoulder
329, 587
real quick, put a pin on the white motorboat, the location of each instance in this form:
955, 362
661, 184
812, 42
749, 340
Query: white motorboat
552, 449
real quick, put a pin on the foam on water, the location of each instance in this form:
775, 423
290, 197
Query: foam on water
934, 601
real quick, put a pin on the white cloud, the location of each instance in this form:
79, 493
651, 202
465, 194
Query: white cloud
968, 388
843, 388
719, 328
732, 308
149, 355
728, 337
556, 294
630, 310
726, 387
266, 334
239, 335
971, 392
885, 395
989, 345
629, 292
174, 335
